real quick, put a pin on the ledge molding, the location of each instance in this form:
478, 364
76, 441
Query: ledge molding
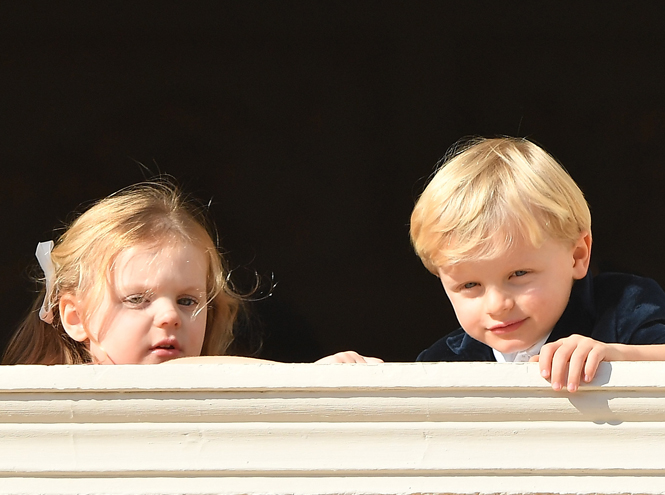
398, 428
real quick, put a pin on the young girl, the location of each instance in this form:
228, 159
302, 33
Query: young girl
136, 279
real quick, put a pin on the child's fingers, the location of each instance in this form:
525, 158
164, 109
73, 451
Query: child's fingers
585, 361
340, 357
560, 362
545, 358
578, 360
593, 360
348, 357
575, 358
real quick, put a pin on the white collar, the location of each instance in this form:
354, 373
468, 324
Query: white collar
520, 356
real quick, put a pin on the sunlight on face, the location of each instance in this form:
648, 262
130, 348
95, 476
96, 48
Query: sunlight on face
514, 300
154, 308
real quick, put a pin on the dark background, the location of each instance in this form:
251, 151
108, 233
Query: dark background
313, 125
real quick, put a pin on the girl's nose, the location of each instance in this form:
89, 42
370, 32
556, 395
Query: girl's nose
498, 302
167, 314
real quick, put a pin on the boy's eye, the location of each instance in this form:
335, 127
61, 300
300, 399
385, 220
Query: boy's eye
520, 273
469, 285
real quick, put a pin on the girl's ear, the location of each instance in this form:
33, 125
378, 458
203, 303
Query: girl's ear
581, 255
71, 319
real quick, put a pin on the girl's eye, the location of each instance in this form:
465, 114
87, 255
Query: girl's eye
520, 273
188, 301
136, 299
469, 285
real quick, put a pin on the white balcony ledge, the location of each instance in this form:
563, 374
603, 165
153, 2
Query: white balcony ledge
458, 428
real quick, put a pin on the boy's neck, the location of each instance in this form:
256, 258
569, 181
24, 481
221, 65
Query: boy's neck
520, 356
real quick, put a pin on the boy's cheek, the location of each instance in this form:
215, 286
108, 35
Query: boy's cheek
466, 312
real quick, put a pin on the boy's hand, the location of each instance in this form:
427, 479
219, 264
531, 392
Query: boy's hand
348, 357
575, 358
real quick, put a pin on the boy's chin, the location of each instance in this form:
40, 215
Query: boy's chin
510, 347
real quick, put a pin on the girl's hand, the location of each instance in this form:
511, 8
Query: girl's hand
348, 357
572, 359
340, 357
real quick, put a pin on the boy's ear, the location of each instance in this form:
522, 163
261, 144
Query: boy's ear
71, 319
581, 256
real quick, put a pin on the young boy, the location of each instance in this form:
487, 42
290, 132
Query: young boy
508, 232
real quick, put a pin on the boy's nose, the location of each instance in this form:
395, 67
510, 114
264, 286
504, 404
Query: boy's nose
167, 314
498, 301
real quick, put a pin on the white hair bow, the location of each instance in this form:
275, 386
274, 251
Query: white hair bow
43, 254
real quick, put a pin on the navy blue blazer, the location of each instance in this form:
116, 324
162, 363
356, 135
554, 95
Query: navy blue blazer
611, 307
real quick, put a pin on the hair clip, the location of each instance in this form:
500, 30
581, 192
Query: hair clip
43, 254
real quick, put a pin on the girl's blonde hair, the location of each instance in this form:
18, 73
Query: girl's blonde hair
491, 193
151, 213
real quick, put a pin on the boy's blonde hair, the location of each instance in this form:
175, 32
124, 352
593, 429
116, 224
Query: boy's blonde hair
491, 193
152, 213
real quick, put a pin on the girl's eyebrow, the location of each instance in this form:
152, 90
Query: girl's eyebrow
193, 286
133, 287
124, 292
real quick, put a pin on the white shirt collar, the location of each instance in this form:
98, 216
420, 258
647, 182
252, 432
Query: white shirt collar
520, 356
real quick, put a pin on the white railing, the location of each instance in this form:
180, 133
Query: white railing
459, 428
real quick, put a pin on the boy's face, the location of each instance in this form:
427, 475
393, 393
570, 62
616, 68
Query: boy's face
513, 301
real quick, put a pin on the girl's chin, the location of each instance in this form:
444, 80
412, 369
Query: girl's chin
162, 354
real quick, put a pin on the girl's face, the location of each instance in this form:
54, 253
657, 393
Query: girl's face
153, 308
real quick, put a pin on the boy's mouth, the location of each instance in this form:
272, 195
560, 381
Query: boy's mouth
508, 327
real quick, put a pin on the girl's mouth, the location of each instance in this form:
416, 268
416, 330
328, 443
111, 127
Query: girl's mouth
167, 349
